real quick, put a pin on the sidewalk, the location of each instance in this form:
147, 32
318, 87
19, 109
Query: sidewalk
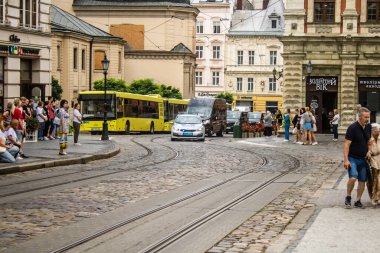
44, 154
325, 225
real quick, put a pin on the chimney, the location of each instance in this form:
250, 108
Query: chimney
265, 4
239, 5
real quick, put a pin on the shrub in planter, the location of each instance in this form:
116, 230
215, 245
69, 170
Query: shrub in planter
31, 125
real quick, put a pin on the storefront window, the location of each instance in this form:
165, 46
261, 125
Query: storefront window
271, 106
369, 95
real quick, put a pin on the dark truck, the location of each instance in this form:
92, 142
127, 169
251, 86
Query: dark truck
213, 112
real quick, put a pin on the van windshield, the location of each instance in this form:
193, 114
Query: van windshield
233, 115
200, 110
254, 115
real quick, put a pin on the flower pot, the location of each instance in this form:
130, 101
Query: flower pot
245, 135
251, 134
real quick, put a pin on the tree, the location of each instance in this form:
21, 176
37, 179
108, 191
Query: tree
56, 89
227, 96
147, 87
112, 84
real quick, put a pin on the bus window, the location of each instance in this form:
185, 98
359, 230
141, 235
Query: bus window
120, 109
131, 108
93, 106
148, 109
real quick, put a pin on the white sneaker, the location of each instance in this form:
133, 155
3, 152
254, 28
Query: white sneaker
286, 140
335, 139
294, 142
77, 144
300, 142
19, 157
314, 143
46, 138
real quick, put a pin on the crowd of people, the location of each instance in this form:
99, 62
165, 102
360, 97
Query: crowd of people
53, 123
304, 123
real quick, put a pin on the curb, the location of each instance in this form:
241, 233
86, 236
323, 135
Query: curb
59, 162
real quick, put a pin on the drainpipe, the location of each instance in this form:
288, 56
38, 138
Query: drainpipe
90, 76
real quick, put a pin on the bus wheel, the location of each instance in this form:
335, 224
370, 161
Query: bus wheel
127, 128
151, 130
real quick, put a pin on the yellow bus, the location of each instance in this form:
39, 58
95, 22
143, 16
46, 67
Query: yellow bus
127, 112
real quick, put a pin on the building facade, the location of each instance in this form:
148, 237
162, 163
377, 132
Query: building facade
77, 51
25, 49
156, 33
339, 41
213, 22
253, 51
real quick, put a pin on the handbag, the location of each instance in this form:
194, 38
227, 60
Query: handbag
57, 121
295, 130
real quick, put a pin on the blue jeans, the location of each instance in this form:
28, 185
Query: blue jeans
9, 155
287, 137
358, 169
335, 131
41, 130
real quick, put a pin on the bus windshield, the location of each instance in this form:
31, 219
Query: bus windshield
93, 106
200, 110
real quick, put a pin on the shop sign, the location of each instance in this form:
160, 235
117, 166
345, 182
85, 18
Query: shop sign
369, 83
17, 50
314, 104
206, 94
322, 83
245, 97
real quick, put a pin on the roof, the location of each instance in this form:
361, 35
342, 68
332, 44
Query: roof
64, 21
258, 22
131, 3
181, 48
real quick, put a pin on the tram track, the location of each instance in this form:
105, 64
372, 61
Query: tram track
149, 153
168, 240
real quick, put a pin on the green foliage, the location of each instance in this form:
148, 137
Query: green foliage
112, 84
56, 89
31, 124
147, 87
142, 86
227, 96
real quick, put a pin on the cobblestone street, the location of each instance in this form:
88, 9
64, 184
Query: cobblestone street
148, 166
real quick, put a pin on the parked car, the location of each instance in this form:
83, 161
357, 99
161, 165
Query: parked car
232, 118
255, 117
188, 126
213, 112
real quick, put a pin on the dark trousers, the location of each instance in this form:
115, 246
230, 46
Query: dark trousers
48, 124
76, 131
335, 131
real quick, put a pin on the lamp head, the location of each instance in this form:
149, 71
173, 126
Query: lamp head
105, 64
274, 72
309, 68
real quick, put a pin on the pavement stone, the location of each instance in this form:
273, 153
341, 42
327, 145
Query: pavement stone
44, 154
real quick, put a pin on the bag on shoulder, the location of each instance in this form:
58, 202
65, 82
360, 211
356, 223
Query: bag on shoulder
8, 118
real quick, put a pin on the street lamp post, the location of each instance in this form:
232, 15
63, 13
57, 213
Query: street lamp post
105, 64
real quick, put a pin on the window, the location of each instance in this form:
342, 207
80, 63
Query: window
273, 57
274, 24
198, 78
99, 56
250, 84
239, 57
373, 12
324, 11
199, 26
141, 109
239, 84
215, 78
199, 52
59, 57
2, 11
272, 84
216, 25
1, 70
119, 65
216, 52
271, 106
251, 57
75, 58
25, 70
29, 10
83, 59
